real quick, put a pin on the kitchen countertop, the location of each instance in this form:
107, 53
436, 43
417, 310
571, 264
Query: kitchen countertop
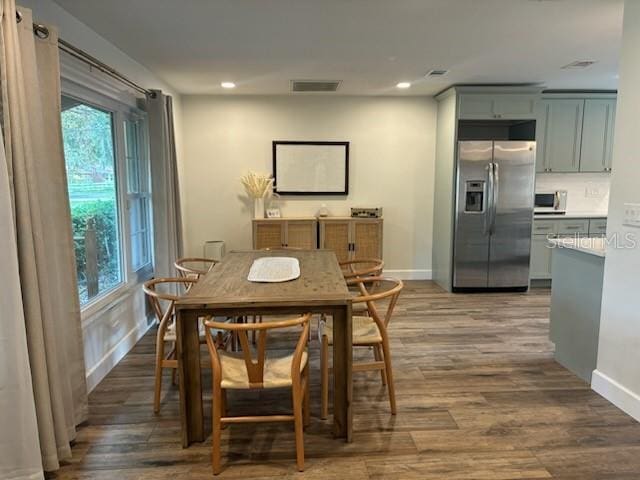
585, 214
590, 245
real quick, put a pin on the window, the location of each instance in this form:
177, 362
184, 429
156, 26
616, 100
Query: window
108, 177
91, 177
138, 192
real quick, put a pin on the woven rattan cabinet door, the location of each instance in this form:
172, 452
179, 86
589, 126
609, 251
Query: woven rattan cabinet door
301, 234
268, 234
335, 235
367, 239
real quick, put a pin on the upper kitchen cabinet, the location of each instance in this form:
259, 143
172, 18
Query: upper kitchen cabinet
559, 133
497, 106
597, 135
575, 133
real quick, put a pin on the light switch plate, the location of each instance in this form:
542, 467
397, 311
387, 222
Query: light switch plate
631, 215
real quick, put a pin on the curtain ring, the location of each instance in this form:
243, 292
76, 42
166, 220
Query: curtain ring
40, 31
18, 16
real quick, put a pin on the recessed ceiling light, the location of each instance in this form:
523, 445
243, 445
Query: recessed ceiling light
403, 85
228, 85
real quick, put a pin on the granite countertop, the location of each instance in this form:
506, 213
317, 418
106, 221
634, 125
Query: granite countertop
575, 214
590, 245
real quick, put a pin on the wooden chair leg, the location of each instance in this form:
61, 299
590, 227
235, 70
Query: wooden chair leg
306, 402
216, 434
388, 369
158, 375
298, 422
378, 356
223, 406
324, 377
174, 371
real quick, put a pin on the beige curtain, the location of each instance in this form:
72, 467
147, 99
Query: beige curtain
37, 177
165, 191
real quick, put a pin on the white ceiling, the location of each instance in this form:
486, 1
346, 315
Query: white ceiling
368, 44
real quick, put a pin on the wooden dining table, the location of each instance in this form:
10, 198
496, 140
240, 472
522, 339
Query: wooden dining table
225, 291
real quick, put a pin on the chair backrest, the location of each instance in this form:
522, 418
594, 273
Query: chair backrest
255, 368
363, 267
386, 289
194, 266
161, 301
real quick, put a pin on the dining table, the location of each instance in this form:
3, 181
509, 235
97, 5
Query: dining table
225, 291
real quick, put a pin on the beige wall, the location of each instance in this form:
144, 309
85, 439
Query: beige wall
618, 373
391, 165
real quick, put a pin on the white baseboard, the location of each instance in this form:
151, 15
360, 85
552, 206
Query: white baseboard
410, 274
110, 359
619, 395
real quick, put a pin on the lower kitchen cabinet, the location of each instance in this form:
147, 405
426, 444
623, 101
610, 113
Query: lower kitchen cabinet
540, 268
546, 228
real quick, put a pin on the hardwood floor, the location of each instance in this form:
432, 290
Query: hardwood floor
479, 397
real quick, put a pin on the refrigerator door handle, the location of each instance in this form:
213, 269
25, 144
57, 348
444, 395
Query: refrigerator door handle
496, 193
489, 199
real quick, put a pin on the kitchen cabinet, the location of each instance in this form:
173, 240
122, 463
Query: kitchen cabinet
285, 232
497, 106
597, 135
559, 135
575, 134
597, 227
540, 266
351, 238
544, 229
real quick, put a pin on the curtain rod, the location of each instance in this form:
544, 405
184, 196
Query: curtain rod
41, 31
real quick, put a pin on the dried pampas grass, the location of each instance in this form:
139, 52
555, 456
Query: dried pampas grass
257, 185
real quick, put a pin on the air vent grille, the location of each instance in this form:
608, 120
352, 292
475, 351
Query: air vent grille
314, 85
580, 64
437, 73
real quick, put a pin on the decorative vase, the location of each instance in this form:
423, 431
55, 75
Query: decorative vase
258, 208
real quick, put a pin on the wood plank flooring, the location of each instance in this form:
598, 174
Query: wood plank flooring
479, 397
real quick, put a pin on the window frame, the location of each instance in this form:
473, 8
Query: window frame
120, 111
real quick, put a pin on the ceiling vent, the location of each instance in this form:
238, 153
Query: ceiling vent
436, 73
580, 64
314, 85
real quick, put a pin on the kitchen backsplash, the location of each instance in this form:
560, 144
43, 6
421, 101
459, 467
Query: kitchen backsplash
586, 192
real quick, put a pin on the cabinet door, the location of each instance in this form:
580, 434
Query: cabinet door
367, 239
542, 125
514, 106
268, 235
540, 268
597, 135
476, 107
334, 235
301, 234
563, 135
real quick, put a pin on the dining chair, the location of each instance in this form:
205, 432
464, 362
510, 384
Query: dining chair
193, 267
363, 267
239, 371
162, 296
367, 331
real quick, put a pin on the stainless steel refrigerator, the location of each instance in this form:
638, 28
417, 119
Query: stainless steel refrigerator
494, 214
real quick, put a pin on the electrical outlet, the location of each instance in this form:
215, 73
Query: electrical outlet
631, 215
592, 190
